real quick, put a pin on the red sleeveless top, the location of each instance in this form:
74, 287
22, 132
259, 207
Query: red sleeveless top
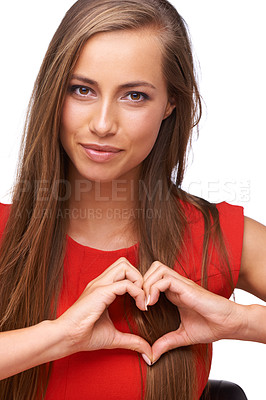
115, 374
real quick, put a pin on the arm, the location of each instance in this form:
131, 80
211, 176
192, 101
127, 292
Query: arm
26, 348
252, 276
85, 326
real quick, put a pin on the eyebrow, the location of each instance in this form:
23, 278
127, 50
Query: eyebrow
123, 86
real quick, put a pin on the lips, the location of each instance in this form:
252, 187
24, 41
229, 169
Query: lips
100, 153
102, 148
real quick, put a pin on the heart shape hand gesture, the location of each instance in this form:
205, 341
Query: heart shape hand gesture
205, 317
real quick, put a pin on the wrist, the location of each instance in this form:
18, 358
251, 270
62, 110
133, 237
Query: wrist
63, 345
26, 348
255, 329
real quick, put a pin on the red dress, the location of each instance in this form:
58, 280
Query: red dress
115, 374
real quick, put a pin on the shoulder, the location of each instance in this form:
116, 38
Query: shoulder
252, 276
4, 210
4, 214
231, 218
231, 222
229, 212
227, 226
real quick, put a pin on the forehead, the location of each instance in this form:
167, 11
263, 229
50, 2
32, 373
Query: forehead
121, 56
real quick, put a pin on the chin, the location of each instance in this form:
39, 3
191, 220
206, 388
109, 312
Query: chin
98, 177
103, 173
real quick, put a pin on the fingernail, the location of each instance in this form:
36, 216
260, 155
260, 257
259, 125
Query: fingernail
147, 302
146, 359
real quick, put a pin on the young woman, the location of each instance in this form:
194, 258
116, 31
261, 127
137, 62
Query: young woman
99, 227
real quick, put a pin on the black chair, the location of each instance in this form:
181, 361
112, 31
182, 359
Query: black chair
223, 390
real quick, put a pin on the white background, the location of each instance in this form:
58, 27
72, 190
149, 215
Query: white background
228, 161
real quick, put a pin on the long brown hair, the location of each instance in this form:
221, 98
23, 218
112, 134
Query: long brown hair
33, 244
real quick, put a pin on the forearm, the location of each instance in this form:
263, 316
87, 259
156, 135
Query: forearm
254, 328
26, 348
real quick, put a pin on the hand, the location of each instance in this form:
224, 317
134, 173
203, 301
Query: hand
205, 316
87, 322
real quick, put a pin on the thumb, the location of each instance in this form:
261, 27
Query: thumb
169, 341
133, 342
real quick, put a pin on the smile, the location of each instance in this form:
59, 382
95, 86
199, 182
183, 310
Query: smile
100, 153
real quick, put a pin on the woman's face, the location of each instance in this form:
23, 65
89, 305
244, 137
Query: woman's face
115, 104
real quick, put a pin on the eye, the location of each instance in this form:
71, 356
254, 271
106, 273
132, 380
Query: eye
82, 91
137, 97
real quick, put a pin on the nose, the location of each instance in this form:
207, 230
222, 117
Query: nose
103, 121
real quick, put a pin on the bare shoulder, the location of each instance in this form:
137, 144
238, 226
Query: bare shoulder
252, 277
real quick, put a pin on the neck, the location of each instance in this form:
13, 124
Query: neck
102, 214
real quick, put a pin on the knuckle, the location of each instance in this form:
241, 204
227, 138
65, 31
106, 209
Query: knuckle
156, 264
145, 286
160, 267
166, 342
123, 260
128, 284
98, 290
136, 345
168, 277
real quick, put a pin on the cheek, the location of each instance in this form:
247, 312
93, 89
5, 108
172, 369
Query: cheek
67, 128
69, 116
144, 133
64, 130
65, 124
146, 128
71, 123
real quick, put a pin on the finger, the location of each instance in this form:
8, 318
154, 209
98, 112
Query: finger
152, 275
183, 292
168, 342
154, 266
107, 294
132, 342
179, 292
162, 285
125, 270
119, 270
159, 271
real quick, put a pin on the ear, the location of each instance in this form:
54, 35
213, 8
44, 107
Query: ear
169, 107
